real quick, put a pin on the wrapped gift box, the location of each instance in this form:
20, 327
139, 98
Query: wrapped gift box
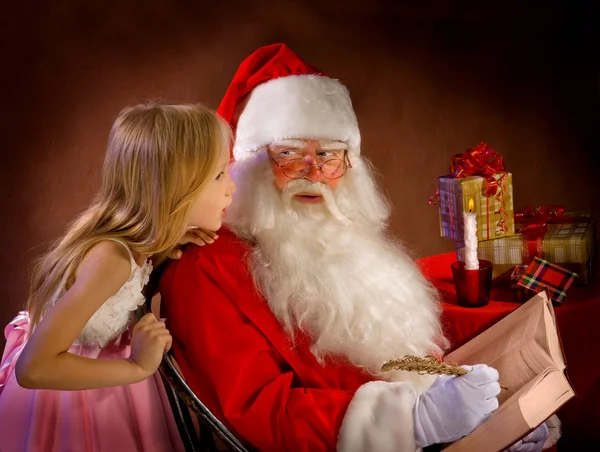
543, 275
570, 245
479, 175
495, 213
505, 253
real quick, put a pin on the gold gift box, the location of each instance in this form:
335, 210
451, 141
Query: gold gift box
570, 245
491, 210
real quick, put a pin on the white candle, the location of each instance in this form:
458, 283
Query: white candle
470, 223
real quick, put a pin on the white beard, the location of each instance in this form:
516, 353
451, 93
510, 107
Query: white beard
329, 269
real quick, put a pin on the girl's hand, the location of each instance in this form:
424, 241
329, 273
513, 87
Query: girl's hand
196, 236
150, 339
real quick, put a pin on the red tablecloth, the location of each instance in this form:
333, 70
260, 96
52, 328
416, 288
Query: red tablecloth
578, 322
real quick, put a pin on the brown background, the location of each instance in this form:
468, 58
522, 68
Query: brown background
428, 80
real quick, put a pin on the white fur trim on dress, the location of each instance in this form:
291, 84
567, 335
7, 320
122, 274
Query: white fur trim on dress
379, 418
297, 106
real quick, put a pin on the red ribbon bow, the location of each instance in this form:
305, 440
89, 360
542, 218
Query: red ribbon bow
535, 219
482, 161
534, 223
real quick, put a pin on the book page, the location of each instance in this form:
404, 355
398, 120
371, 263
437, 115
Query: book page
516, 346
547, 395
551, 338
502, 335
519, 367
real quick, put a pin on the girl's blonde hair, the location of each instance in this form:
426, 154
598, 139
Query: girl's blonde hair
158, 158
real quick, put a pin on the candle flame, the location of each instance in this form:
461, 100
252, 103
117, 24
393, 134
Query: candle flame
471, 204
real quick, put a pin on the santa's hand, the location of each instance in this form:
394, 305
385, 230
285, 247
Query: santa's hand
534, 442
454, 406
196, 236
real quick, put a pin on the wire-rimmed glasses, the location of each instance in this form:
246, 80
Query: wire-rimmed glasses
298, 167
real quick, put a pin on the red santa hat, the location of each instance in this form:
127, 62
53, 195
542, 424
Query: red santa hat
286, 98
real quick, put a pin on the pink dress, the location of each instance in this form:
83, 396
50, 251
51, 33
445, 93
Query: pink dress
136, 417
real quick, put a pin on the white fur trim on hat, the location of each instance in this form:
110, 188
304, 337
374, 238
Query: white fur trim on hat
379, 418
297, 106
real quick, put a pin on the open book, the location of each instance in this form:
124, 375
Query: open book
525, 349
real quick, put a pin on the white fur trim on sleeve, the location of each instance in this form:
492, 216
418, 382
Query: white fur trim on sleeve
379, 419
296, 106
555, 430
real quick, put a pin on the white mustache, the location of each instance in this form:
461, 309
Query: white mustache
305, 186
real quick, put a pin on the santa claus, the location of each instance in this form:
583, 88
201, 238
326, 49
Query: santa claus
281, 327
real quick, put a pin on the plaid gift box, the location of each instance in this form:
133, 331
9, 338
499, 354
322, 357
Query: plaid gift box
504, 253
542, 275
476, 174
495, 213
515, 276
570, 245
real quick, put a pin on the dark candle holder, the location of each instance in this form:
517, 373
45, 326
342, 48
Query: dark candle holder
472, 286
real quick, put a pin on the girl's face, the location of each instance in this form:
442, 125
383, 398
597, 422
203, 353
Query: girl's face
210, 204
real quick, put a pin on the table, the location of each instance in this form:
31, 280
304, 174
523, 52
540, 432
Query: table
578, 321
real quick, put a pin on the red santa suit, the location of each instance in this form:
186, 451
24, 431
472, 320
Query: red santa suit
233, 350
238, 360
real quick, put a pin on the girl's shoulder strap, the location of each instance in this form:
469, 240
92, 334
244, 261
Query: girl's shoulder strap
131, 258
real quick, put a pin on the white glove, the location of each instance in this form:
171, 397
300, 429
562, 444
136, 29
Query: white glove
534, 442
454, 406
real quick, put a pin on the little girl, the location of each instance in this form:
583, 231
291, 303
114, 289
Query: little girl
165, 171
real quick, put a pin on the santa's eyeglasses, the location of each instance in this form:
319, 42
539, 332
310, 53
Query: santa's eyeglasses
297, 167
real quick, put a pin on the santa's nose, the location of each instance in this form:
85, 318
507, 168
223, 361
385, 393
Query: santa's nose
314, 174
314, 171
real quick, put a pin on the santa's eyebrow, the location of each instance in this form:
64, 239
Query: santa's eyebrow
334, 146
295, 144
